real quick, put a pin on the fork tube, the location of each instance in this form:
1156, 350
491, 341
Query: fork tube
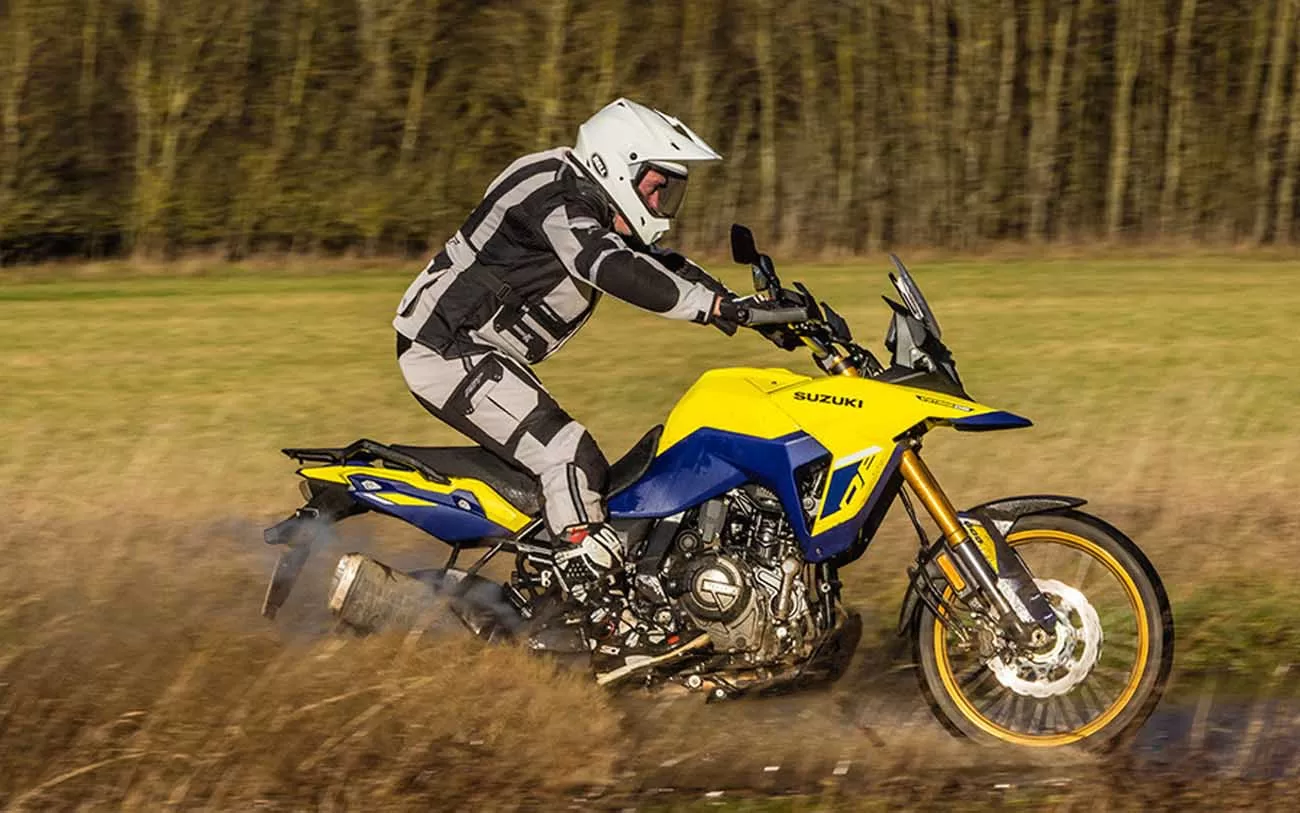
918, 476
976, 568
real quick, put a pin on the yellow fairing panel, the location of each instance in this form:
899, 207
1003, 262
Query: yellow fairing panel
856, 419
733, 400
847, 415
494, 506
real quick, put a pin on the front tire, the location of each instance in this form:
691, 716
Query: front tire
1097, 687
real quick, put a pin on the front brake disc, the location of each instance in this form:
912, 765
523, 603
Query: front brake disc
1070, 660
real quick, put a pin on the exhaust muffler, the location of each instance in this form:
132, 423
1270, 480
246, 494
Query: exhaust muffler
370, 596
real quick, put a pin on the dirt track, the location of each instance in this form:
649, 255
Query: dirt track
138, 687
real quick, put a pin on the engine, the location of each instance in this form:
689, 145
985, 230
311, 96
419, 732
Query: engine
738, 574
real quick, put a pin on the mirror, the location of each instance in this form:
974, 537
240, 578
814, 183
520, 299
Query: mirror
743, 249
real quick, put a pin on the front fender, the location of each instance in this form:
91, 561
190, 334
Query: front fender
1003, 513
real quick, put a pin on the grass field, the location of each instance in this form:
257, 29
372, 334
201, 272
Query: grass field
142, 417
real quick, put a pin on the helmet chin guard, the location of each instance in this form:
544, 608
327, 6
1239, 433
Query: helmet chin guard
624, 141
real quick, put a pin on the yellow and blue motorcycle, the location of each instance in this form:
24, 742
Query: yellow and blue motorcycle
1032, 622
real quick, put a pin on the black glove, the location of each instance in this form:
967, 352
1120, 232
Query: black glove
769, 318
723, 317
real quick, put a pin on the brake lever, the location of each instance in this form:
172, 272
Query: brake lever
809, 302
837, 324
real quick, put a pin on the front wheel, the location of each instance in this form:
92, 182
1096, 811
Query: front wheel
1104, 670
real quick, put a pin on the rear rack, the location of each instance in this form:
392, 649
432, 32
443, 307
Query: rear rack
369, 450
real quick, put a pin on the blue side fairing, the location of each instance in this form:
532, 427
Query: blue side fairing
454, 517
989, 422
839, 539
709, 462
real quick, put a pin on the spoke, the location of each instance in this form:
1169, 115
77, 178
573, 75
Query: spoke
1088, 691
1013, 712
1038, 715
1075, 704
975, 678
1081, 572
1003, 699
1061, 714
1098, 682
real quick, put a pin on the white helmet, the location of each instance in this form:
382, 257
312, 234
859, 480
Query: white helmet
625, 140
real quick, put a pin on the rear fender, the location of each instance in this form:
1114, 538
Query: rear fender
327, 503
1003, 514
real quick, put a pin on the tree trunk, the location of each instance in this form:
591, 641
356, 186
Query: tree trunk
873, 134
548, 77
924, 220
1149, 114
377, 19
265, 187
697, 46
737, 154
89, 57
1266, 142
146, 205
1284, 226
807, 219
611, 24
1180, 98
975, 35
847, 120
1127, 59
768, 211
1047, 119
1242, 160
1078, 209
16, 72
998, 179
419, 82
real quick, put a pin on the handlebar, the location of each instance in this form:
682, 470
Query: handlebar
773, 316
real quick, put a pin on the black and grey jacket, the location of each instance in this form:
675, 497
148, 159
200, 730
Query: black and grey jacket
526, 269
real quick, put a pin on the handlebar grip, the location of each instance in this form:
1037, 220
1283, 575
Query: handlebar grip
774, 316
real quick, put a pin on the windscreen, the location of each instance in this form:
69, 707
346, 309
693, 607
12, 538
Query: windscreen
913, 298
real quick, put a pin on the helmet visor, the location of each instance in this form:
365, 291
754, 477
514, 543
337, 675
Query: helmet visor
661, 188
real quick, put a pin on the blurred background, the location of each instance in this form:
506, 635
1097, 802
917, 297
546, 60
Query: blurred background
210, 208
374, 125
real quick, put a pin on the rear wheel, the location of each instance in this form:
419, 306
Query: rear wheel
1101, 675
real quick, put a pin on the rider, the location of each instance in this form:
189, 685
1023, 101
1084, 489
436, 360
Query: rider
523, 274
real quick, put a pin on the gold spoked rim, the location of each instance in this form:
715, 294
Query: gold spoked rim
1112, 709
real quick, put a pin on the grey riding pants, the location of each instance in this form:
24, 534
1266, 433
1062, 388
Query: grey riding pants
499, 404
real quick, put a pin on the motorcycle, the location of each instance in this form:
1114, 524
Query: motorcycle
1032, 622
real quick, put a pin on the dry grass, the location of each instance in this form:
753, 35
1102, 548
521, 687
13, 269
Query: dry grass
141, 418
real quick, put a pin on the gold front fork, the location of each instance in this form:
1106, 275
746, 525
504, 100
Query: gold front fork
973, 566
918, 476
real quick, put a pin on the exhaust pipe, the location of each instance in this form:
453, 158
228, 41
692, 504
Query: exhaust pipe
369, 596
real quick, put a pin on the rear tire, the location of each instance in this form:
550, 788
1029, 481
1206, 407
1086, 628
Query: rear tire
1074, 708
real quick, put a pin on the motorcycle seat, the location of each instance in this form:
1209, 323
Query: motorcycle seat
518, 486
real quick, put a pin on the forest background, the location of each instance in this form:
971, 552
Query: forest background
372, 126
